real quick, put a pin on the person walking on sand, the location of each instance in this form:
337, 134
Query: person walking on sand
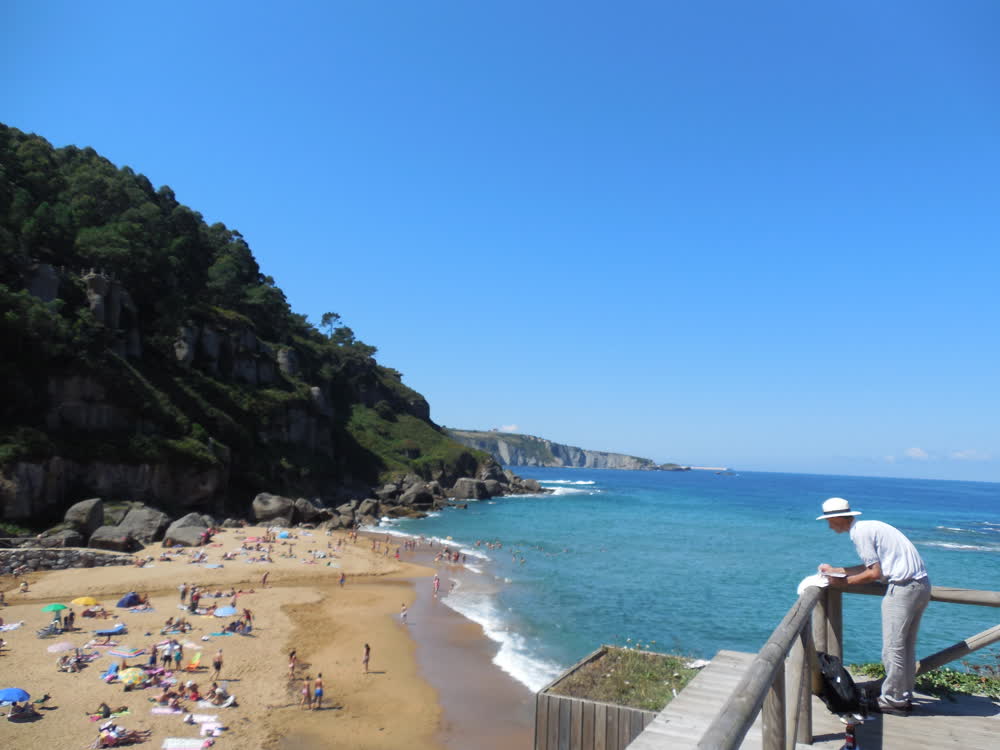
263, 579
365, 657
318, 692
437, 584
402, 614
293, 661
183, 588
342, 579
216, 665
885, 553
306, 694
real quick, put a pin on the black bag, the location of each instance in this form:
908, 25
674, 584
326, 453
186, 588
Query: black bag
839, 692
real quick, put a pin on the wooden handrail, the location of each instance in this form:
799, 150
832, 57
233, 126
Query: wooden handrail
762, 679
735, 718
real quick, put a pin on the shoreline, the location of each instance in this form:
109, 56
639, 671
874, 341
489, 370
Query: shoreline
433, 684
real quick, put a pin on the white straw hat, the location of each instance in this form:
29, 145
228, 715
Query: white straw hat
837, 506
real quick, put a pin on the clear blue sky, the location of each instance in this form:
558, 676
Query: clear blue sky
756, 234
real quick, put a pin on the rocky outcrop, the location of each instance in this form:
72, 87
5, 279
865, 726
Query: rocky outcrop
268, 508
86, 516
113, 538
112, 306
145, 524
470, 489
29, 488
528, 450
189, 531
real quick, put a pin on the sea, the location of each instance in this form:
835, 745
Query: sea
694, 562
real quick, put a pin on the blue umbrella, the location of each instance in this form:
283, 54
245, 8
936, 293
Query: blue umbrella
284, 535
13, 695
226, 611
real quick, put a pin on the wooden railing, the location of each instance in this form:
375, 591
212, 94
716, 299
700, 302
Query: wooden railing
784, 675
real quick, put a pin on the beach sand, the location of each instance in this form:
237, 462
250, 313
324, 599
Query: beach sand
431, 684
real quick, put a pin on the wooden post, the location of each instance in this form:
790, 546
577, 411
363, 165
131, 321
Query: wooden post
819, 627
773, 715
804, 731
835, 623
795, 666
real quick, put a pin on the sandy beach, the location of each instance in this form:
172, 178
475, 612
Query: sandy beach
430, 685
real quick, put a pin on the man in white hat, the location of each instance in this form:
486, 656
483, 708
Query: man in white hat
887, 555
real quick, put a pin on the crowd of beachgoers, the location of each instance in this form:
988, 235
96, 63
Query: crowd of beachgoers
229, 643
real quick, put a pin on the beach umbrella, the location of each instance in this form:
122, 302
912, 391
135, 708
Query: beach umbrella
131, 676
283, 535
125, 652
13, 695
226, 611
85, 601
54, 607
56, 648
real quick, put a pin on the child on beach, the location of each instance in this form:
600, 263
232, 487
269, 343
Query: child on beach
293, 661
402, 614
217, 665
318, 692
366, 657
306, 693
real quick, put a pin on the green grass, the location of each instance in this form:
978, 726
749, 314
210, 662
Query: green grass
629, 677
980, 679
393, 442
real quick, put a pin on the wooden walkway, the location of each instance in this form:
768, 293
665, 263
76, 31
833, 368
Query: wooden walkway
967, 723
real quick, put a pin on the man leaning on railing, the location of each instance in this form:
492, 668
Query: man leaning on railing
886, 554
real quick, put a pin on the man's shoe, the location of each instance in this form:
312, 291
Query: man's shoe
895, 710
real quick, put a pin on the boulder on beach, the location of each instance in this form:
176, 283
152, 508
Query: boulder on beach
268, 507
113, 538
189, 531
86, 516
145, 524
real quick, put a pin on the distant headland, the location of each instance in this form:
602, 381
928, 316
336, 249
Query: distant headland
514, 449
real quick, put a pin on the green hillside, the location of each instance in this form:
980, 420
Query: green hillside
135, 333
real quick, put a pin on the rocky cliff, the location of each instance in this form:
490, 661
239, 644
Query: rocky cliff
527, 450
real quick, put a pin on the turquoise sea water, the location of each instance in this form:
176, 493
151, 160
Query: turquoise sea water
695, 561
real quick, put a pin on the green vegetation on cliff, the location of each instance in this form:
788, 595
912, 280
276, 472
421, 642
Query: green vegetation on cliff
135, 332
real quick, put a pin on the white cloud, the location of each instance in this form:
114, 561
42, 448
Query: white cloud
970, 454
507, 428
917, 454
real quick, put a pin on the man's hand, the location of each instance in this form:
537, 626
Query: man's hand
825, 568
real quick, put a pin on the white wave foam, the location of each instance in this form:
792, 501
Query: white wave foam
971, 547
557, 491
949, 528
513, 657
563, 481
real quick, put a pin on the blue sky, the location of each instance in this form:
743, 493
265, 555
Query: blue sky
755, 234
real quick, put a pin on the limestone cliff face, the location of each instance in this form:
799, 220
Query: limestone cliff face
528, 450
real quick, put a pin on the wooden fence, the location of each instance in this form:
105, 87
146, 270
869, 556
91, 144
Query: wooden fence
564, 723
784, 674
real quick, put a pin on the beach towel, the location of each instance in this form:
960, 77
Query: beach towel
184, 743
211, 730
218, 634
213, 565
204, 718
116, 630
144, 608
208, 704
165, 710
12, 626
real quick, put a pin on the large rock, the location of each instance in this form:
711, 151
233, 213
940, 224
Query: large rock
186, 536
387, 492
470, 489
368, 508
305, 511
113, 538
65, 538
191, 520
188, 530
268, 507
418, 496
493, 487
145, 524
86, 516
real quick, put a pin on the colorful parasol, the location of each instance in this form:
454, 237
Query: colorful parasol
131, 676
54, 607
124, 652
85, 601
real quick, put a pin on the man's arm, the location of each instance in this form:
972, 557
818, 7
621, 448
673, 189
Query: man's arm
856, 575
825, 568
